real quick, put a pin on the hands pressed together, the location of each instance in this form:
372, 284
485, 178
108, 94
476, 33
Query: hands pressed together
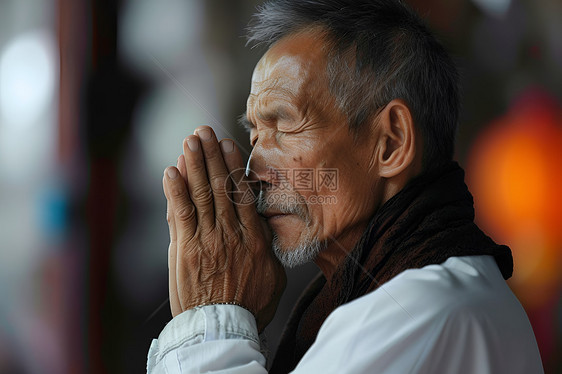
220, 249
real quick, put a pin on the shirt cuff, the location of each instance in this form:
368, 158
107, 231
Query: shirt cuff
203, 324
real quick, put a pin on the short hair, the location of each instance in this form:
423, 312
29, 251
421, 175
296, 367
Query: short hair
378, 50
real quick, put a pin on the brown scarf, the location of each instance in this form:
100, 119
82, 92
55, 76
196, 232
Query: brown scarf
427, 222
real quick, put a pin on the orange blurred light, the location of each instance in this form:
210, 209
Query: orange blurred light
515, 174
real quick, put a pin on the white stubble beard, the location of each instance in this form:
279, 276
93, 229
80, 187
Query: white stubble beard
305, 251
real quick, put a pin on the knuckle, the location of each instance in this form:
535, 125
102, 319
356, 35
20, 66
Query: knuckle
177, 190
218, 182
186, 213
202, 194
197, 168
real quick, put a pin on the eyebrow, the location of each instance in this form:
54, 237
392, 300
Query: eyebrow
245, 123
280, 112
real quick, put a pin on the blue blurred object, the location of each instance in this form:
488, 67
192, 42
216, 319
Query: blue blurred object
52, 208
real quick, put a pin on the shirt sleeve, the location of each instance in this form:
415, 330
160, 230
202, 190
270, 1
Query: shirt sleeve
212, 338
427, 320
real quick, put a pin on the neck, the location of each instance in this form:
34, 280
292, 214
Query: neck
338, 249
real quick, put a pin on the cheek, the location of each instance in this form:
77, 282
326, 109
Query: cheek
352, 204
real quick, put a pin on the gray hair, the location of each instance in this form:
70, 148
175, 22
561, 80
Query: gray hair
378, 50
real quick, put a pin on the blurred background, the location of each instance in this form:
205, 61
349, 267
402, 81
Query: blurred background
96, 97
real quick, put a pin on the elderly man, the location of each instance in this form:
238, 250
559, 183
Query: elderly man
352, 115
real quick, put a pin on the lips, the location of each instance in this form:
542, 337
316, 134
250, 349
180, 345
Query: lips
271, 214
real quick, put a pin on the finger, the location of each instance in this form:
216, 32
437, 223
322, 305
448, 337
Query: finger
217, 173
181, 206
243, 195
181, 167
175, 305
185, 220
197, 183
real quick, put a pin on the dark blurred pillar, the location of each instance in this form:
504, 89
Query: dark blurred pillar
101, 198
73, 40
110, 100
97, 98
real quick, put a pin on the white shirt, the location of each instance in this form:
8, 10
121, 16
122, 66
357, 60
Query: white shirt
456, 317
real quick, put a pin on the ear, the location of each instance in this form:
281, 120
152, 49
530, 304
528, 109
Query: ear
397, 140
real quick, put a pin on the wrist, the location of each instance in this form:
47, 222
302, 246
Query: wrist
225, 303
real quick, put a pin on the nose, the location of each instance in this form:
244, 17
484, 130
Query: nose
258, 169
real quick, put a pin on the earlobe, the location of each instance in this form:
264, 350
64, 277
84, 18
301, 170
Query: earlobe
397, 141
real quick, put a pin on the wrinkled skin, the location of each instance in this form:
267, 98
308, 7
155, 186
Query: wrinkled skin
295, 124
221, 251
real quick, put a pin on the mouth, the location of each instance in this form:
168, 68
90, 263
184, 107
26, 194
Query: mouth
273, 215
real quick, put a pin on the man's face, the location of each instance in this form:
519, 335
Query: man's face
321, 184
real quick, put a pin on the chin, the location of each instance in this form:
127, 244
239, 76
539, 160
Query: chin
298, 254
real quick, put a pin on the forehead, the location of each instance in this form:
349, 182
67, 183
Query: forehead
290, 66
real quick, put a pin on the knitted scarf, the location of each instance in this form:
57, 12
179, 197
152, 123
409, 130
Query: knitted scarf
428, 221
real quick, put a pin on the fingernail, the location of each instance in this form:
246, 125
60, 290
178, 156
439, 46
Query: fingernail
227, 146
193, 144
172, 173
204, 133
